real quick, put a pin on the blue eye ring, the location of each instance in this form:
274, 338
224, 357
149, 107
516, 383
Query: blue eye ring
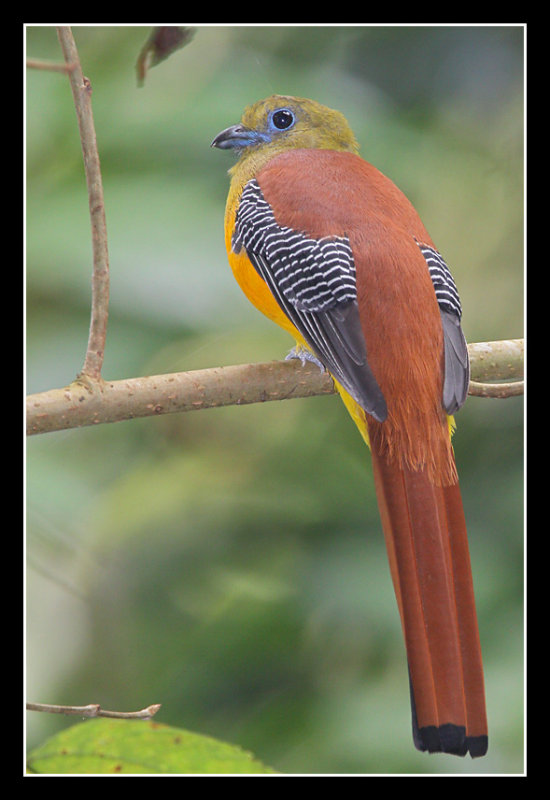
282, 119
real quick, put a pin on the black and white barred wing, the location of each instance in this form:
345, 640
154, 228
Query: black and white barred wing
457, 365
313, 281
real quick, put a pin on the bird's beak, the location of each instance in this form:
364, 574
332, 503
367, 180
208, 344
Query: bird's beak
238, 136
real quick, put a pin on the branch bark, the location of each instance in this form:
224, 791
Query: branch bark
82, 92
94, 402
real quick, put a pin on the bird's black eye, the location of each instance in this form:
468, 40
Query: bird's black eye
283, 118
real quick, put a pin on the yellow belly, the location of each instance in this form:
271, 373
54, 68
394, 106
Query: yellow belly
255, 288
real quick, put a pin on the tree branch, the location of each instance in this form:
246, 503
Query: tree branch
94, 402
496, 361
496, 390
82, 91
501, 360
94, 710
52, 66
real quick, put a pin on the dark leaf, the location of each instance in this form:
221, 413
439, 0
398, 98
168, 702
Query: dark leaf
162, 42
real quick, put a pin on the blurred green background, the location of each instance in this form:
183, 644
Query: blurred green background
230, 564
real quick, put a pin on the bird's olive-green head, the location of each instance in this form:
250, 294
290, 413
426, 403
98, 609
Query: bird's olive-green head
281, 122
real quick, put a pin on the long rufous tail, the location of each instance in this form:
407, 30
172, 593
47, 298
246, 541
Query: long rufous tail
427, 547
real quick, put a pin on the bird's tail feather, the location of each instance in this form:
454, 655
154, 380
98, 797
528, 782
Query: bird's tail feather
427, 546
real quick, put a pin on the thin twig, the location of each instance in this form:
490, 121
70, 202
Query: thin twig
53, 66
94, 710
112, 401
82, 91
499, 391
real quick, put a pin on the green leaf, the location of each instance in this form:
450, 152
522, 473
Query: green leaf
102, 746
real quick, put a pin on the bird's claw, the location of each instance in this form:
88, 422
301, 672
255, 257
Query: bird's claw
304, 355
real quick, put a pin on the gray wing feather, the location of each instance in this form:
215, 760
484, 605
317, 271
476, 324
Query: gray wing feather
457, 365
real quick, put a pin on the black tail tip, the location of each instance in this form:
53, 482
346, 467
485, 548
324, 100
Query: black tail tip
449, 739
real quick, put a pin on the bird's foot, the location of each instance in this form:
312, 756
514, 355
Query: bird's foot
304, 355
